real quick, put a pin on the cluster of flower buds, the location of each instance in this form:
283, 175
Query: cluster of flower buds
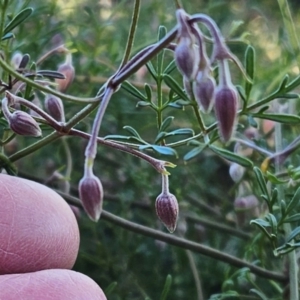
166, 206
19, 121
192, 61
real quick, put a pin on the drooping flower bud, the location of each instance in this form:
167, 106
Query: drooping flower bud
91, 195
204, 91
226, 110
186, 56
55, 107
246, 208
23, 124
68, 70
226, 102
166, 206
236, 172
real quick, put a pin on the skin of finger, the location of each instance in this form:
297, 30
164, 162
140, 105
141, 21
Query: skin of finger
38, 230
53, 284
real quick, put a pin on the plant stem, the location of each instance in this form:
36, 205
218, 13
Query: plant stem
130, 40
182, 243
293, 264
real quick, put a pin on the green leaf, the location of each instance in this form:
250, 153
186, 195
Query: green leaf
162, 31
51, 74
272, 220
274, 196
161, 135
18, 19
282, 118
283, 208
172, 84
262, 224
143, 104
166, 288
283, 83
132, 131
261, 182
293, 218
170, 67
166, 123
294, 202
148, 91
151, 70
250, 67
194, 152
123, 137
293, 84
127, 86
110, 288
245, 162
160, 149
293, 234
182, 131
272, 178
7, 36
258, 293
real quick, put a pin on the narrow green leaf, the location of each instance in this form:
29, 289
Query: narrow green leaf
272, 220
282, 118
151, 70
283, 208
258, 293
182, 131
274, 196
166, 123
143, 104
261, 224
245, 162
250, 67
272, 178
162, 31
51, 74
110, 288
166, 288
161, 135
7, 36
170, 67
261, 182
194, 152
293, 218
293, 234
18, 19
293, 84
127, 86
132, 131
283, 83
160, 149
172, 84
148, 92
294, 202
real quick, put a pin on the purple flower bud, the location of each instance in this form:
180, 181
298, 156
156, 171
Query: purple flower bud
246, 208
236, 172
186, 56
55, 107
187, 87
166, 206
22, 123
91, 196
226, 110
68, 70
204, 91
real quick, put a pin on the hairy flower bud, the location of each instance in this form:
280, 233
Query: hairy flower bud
55, 107
226, 110
22, 123
204, 91
186, 56
91, 196
236, 172
68, 70
166, 206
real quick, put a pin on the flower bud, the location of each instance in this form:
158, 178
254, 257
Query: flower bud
204, 91
166, 206
187, 87
246, 208
68, 70
91, 196
236, 172
22, 123
226, 110
186, 56
55, 107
